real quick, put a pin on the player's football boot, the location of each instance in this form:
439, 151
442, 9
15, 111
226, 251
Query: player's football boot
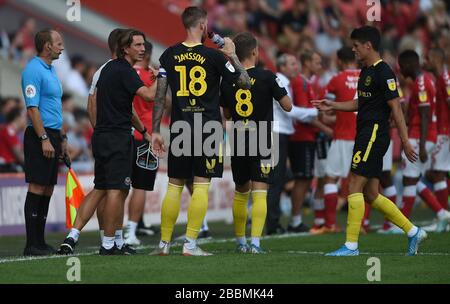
132, 240
113, 251
128, 250
443, 222
242, 248
67, 247
196, 251
204, 234
257, 250
343, 251
164, 250
414, 241
298, 229
147, 230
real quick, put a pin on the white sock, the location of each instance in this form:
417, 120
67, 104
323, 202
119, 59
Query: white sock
255, 241
441, 214
118, 238
102, 235
108, 242
413, 231
351, 245
162, 244
131, 227
241, 240
296, 220
319, 221
190, 243
74, 233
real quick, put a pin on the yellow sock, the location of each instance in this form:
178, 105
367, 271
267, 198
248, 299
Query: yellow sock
169, 210
197, 209
392, 213
259, 212
240, 212
355, 216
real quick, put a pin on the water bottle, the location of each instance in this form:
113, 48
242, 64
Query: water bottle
219, 41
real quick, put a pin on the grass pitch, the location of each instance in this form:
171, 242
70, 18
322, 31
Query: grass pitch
292, 259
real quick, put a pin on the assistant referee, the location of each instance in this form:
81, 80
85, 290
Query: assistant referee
44, 141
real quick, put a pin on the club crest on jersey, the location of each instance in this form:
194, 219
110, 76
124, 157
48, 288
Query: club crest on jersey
210, 165
368, 81
423, 96
265, 169
392, 84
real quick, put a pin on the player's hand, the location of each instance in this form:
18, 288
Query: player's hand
411, 155
423, 154
154, 71
323, 104
158, 147
47, 149
229, 48
148, 137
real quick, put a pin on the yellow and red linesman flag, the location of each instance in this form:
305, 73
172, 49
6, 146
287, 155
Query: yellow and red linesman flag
74, 197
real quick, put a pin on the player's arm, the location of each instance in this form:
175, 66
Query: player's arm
397, 115
424, 112
229, 49
92, 108
286, 103
158, 111
327, 105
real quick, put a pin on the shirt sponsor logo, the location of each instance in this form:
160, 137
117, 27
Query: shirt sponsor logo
30, 91
423, 96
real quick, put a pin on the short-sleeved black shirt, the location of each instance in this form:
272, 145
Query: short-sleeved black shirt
255, 104
116, 89
376, 86
194, 74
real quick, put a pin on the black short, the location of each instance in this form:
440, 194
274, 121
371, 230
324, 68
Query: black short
301, 156
184, 166
113, 154
247, 168
371, 144
141, 178
39, 169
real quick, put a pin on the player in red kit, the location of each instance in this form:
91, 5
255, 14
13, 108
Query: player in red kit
422, 131
341, 87
440, 157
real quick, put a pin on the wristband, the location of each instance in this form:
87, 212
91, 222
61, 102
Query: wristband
143, 131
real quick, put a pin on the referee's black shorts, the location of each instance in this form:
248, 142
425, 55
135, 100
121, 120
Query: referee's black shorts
113, 154
38, 168
141, 178
371, 143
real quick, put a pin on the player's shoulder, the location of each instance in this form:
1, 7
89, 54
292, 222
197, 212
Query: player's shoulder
383, 68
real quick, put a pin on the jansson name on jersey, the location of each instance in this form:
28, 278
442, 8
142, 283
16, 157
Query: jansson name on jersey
190, 56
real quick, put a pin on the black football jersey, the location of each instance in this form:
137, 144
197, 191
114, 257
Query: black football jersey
376, 86
253, 106
194, 74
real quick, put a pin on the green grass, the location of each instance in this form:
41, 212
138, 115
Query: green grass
292, 259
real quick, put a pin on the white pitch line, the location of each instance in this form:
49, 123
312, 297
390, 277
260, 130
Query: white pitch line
213, 241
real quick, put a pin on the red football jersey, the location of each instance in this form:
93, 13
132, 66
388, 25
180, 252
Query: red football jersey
8, 140
144, 109
343, 86
303, 93
423, 93
442, 99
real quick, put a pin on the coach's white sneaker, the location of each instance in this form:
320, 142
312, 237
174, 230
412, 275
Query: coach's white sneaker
162, 249
132, 240
196, 251
431, 228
